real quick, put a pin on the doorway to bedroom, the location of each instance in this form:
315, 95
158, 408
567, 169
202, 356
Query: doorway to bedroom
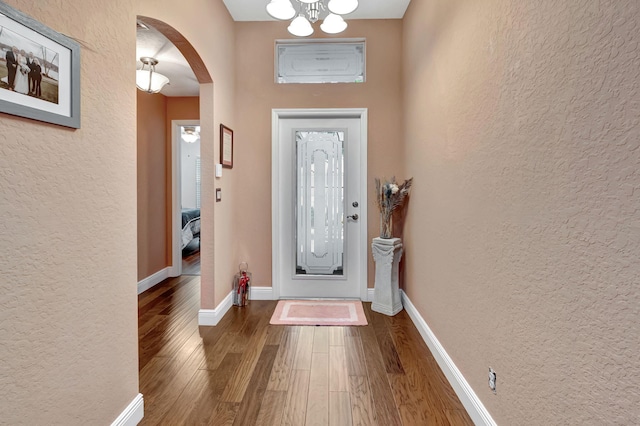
187, 193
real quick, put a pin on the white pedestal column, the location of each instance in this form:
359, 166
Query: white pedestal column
386, 294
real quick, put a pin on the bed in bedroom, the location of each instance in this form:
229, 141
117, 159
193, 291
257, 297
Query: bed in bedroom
190, 225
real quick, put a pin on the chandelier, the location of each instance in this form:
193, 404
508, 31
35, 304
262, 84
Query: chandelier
190, 134
309, 12
147, 79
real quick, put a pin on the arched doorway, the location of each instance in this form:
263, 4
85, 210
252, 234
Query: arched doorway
172, 209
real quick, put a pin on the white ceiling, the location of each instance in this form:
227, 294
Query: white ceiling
183, 82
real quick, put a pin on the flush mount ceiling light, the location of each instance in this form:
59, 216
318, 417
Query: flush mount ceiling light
309, 13
147, 79
190, 134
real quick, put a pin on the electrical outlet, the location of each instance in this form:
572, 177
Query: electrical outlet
492, 380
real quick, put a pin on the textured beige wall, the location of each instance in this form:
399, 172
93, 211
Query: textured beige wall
523, 233
209, 28
68, 311
257, 95
153, 173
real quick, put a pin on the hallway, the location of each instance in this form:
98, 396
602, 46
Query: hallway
245, 371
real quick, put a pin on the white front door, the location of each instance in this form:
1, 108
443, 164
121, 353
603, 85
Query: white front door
319, 204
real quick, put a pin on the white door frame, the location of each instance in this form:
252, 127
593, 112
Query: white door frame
276, 249
176, 195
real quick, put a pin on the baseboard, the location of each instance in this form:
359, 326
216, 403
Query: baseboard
369, 295
266, 293
131, 415
468, 397
261, 293
174, 271
154, 279
213, 316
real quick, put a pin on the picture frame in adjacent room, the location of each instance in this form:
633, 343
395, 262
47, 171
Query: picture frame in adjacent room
39, 70
226, 146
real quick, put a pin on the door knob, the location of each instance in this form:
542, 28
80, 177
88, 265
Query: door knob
353, 216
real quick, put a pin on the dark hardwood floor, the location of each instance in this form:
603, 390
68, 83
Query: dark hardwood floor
247, 372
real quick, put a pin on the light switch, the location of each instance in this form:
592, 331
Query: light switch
218, 194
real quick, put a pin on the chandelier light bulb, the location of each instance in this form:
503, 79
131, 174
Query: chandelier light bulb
342, 7
333, 24
281, 9
300, 27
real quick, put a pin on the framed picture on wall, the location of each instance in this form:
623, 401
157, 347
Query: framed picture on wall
39, 70
226, 146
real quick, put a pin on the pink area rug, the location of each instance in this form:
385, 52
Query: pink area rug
319, 312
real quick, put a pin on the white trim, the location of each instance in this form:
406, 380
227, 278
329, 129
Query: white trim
468, 397
213, 316
176, 196
364, 197
131, 415
267, 293
261, 293
369, 295
146, 283
276, 115
275, 201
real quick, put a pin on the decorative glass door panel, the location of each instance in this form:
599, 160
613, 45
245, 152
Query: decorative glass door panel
319, 202
319, 190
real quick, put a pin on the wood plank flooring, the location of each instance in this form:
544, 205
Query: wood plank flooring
245, 371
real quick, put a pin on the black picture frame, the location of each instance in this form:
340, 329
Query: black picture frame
56, 97
226, 147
